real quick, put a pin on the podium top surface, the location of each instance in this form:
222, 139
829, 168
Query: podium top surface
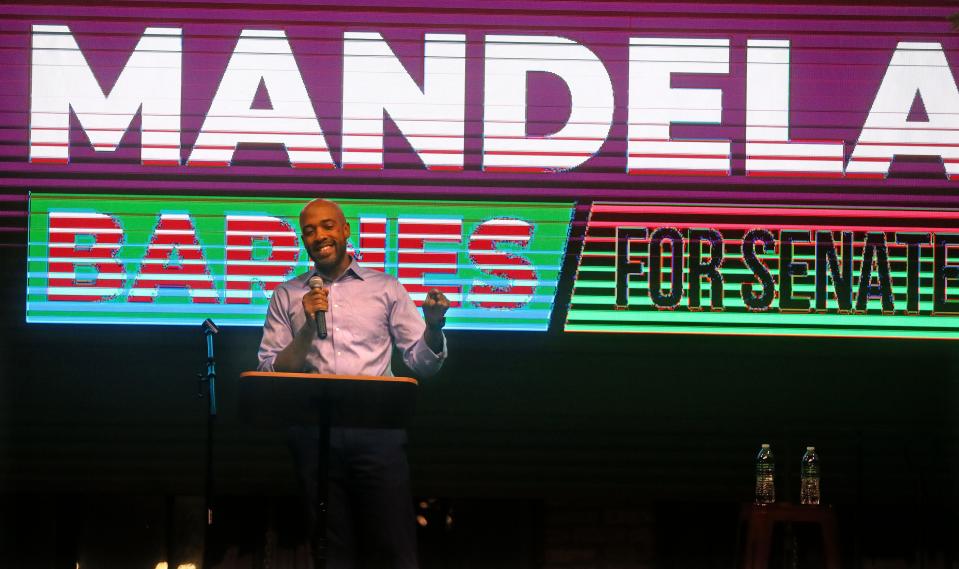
364, 401
325, 376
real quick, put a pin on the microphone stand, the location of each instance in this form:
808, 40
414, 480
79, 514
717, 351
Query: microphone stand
209, 378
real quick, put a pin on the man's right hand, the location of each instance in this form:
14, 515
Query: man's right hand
317, 300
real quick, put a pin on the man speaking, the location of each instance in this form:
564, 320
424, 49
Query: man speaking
366, 315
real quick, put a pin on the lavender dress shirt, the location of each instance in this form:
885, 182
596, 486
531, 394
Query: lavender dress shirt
370, 313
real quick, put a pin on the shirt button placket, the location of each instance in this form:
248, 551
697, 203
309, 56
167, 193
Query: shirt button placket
336, 352
332, 314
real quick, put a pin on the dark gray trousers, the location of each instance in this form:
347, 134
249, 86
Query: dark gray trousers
370, 518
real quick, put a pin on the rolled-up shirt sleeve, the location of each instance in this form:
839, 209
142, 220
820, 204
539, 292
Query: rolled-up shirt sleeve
277, 330
407, 328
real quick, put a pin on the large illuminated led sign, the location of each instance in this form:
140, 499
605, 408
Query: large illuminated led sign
179, 260
763, 270
838, 145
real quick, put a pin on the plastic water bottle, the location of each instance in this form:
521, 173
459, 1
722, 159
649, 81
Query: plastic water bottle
809, 478
765, 476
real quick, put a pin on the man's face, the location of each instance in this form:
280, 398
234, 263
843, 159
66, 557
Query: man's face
324, 232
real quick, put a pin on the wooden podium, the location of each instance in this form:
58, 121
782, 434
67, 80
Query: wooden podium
358, 401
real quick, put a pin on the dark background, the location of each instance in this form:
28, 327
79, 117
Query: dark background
536, 439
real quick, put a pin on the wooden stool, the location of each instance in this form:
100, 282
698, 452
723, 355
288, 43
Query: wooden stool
759, 521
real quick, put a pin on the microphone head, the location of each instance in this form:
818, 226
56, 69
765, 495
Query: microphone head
316, 281
209, 327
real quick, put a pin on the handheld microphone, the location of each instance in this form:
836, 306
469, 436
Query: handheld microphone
316, 282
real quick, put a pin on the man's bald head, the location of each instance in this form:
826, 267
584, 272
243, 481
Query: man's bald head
321, 204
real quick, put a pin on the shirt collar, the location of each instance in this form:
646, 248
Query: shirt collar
355, 268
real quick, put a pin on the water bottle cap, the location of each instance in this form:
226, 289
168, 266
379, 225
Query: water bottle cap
765, 445
810, 449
